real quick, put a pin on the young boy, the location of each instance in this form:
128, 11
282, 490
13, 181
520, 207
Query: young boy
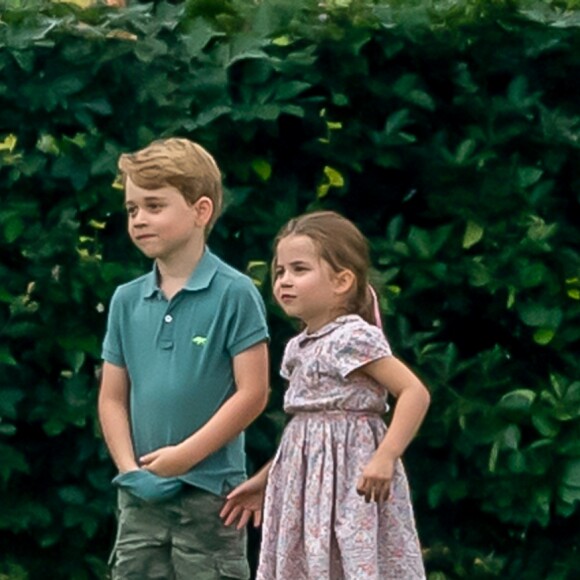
185, 372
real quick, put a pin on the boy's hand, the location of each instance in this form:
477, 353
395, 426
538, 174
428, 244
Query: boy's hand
166, 461
375, 482
243, 503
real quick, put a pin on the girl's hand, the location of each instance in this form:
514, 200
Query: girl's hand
243, 503
166, 462
375, 482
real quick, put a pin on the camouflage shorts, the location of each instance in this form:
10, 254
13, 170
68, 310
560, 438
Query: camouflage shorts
178, 539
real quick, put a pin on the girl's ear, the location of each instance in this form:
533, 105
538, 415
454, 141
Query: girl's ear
203, 208
344, 282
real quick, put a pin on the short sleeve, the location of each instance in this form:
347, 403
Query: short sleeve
112, 351
247, 316
358, 345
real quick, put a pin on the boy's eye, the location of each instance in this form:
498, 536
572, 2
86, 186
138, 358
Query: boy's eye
131, 211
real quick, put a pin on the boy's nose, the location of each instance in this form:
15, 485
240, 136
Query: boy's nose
138, 218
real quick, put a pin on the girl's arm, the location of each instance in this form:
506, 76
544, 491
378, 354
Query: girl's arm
246, 500
412, 403
114, 416
251, 378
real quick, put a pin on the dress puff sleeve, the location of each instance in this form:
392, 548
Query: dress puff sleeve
288, 360
359, 344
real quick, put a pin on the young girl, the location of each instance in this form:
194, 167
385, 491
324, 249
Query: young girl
337, 502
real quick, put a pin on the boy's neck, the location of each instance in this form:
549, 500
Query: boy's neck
174, 275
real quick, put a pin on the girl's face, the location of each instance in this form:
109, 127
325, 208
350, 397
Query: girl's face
305, 285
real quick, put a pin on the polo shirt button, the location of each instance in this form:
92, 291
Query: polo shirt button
168, 318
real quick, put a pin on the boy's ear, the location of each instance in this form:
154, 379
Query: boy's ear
344, 281
203, 208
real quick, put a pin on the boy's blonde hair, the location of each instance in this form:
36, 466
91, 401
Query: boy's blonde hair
179, 163
341, 244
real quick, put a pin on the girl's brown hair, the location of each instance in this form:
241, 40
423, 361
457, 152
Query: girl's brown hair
341, 244
179, 163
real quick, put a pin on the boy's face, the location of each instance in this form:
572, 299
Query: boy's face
161, 223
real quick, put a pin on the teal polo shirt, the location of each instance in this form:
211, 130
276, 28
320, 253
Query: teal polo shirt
178, 355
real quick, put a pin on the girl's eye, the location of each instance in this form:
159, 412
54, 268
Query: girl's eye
278, 273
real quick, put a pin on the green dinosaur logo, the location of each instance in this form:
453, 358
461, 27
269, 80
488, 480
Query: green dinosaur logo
199, 340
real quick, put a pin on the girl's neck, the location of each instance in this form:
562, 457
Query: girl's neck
315, 325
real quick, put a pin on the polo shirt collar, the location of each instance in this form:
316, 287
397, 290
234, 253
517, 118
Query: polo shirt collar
204, 272
200, 278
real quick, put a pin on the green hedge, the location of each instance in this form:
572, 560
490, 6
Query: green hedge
449, 133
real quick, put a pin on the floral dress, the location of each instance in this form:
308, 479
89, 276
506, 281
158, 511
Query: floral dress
316, 526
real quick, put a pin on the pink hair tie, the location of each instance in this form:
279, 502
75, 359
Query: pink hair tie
376, 307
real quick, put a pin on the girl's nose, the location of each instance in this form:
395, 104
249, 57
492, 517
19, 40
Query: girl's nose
285, 280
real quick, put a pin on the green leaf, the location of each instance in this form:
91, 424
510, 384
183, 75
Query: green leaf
479, 274
48, 144
539, 231
150, 49
397, 121
283, 40
199, 33
534, 314
67, 85
210, 115
545, 424
258, 271
519, 401
532, 274
31, 32
544, 336
6, 356
408, 88
528, 176
10, 398
493, 457
569, 494
517, 462
7, 429
333, 179
13, 461
473, 234
464, 151
13, 228
511, 297
9, 143
246, 47
72, 495
511, 437
291, 90
420, 241
262, 168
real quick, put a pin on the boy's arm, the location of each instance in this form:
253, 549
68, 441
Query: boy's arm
251, 374
114, 416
